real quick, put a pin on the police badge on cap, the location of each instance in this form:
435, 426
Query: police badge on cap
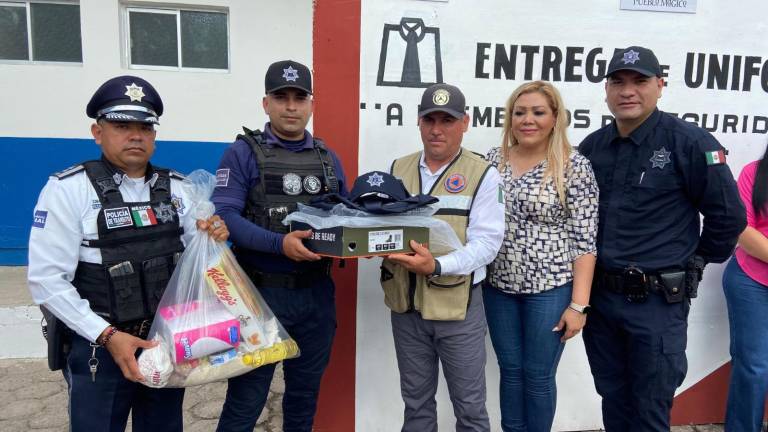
126, 98
635, 58
287, 74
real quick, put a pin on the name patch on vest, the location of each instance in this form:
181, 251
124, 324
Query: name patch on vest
118, 217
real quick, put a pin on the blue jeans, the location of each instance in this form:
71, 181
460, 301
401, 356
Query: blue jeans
528, 352
747, 302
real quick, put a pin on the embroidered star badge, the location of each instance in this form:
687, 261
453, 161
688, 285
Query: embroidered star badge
375, 180
660, 158
631, 56
134, 92
290, 74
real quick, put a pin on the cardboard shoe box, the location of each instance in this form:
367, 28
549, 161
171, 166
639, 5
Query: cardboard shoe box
345, 242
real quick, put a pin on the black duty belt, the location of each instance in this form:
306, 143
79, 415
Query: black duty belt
631, 282
622, 282
140, 328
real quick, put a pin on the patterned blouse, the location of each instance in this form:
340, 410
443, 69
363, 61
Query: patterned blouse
543, 237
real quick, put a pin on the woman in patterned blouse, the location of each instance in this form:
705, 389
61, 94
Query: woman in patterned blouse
538, 291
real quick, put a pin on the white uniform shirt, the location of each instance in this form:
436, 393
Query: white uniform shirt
485, 231
65, 215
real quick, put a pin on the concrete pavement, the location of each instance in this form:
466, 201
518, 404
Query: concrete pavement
32, 398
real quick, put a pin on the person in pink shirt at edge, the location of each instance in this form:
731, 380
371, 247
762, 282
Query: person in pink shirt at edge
745, 282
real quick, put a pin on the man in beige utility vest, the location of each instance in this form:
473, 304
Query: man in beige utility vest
437, 308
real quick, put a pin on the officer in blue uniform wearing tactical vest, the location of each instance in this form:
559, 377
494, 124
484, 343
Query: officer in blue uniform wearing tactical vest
261, 179
656, 175
105, 239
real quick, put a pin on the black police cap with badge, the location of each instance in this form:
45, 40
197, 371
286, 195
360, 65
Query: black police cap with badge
287, 74
376, 192
635, 58
126, 99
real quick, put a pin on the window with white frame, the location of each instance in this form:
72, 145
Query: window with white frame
177, 38
40, 31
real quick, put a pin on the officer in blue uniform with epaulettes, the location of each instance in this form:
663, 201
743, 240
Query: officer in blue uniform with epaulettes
657, 174
105, 239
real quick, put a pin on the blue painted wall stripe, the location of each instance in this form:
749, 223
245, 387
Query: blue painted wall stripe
26, 163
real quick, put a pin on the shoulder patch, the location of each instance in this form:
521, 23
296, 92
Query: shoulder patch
222, 177
74, 169
716, 157
39, 220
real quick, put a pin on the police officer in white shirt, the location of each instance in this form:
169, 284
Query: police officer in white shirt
104, 242
437, 308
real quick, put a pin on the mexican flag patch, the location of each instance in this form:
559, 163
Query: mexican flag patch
715, 157
143, 216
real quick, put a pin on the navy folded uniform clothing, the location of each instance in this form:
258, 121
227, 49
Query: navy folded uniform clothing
376, 192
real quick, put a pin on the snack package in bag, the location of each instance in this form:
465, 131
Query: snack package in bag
211, 323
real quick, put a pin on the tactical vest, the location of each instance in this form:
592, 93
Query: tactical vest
139, 244
286, 178
443, 298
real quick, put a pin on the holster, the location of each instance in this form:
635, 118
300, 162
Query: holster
694, 271
672, 284
57, 338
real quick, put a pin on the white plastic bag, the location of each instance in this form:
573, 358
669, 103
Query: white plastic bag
211, 323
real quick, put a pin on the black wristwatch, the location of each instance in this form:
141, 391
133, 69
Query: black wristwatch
436, 272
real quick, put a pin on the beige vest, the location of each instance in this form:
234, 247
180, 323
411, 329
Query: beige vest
443, 298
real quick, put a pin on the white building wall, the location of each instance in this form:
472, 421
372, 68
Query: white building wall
48, 100
717, 27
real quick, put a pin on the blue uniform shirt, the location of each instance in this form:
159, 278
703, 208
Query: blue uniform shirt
238, 173
653, 185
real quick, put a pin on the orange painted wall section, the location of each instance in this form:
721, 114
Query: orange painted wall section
336, 45
704, 402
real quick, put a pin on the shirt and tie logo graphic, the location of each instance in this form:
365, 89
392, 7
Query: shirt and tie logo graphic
410, 55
